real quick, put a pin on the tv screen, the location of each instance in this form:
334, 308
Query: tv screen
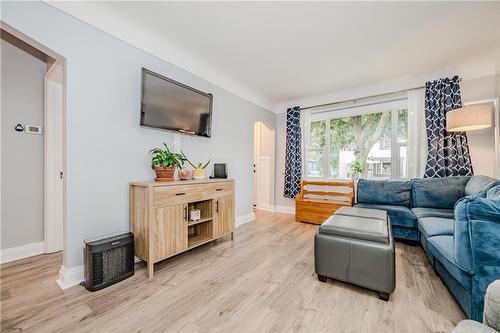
170, 105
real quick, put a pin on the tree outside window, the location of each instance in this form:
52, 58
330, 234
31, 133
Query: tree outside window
361, 138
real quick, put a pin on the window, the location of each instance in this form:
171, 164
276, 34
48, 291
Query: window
316, 148
375, 136
385, 144
402, 147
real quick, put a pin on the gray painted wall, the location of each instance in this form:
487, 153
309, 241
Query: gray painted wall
22, 154
280, 200
481, 142
498, 84
106, 148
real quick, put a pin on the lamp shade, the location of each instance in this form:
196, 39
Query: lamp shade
469, 118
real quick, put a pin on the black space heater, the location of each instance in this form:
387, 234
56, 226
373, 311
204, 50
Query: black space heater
108, 260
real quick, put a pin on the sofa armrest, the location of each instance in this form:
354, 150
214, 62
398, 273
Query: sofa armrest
491, 315
477, 232
480, 208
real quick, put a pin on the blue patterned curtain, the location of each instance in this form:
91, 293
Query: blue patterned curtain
293, 158
448, 152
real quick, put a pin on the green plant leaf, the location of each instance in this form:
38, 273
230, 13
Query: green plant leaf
165, 158
206, 164
187, 160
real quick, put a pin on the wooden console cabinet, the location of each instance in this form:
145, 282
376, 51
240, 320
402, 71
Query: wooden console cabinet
159, 216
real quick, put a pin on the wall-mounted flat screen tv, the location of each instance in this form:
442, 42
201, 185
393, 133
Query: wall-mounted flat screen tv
173, 106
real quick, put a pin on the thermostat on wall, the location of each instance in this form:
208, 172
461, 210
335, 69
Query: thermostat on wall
32, 129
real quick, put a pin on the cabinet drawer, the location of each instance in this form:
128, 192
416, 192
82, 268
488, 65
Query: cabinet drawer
173, 195
217, 190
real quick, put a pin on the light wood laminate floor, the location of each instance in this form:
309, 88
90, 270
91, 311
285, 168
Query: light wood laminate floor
262, 281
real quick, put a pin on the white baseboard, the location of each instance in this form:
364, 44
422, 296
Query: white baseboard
69, 277
277, 209
267, 208
23, 251
284, 209
244, 219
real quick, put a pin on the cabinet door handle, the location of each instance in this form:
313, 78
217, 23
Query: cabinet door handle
219, 189
217, 206
185, 213
180, 193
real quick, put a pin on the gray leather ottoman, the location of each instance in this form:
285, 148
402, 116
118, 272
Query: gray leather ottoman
355, 245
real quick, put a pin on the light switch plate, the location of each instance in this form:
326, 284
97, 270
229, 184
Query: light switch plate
32, 129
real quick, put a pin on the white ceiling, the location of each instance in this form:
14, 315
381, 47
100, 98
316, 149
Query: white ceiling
273, 52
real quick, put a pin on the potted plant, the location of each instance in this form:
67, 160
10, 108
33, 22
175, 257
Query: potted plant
164, 162
357, 170
199, 171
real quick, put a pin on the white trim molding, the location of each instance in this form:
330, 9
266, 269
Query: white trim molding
69, 277
21, 252
277, 209
54, 199
267, 208
284, 209
240, 220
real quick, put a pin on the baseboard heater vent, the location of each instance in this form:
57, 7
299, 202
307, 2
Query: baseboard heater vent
108, 260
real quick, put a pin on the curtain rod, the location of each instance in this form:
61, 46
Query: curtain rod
365, 97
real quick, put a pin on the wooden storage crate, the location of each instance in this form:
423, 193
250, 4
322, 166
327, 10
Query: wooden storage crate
315, 206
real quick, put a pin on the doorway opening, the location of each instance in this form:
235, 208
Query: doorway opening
263, 166
33, 147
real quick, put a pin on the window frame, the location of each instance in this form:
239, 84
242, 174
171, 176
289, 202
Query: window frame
394, 106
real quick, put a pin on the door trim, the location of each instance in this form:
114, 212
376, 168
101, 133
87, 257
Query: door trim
54, 159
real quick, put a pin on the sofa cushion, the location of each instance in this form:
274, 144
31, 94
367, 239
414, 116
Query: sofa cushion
399, 215
435, 226
493, 193
441, 248
404, 233
438, 192
385, 192
433, 212
479, 185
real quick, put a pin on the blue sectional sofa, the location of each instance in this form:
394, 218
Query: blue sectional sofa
457, 222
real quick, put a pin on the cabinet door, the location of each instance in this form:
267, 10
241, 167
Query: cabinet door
223, 222
169, 231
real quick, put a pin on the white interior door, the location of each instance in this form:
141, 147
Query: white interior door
264, 179
264, 166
